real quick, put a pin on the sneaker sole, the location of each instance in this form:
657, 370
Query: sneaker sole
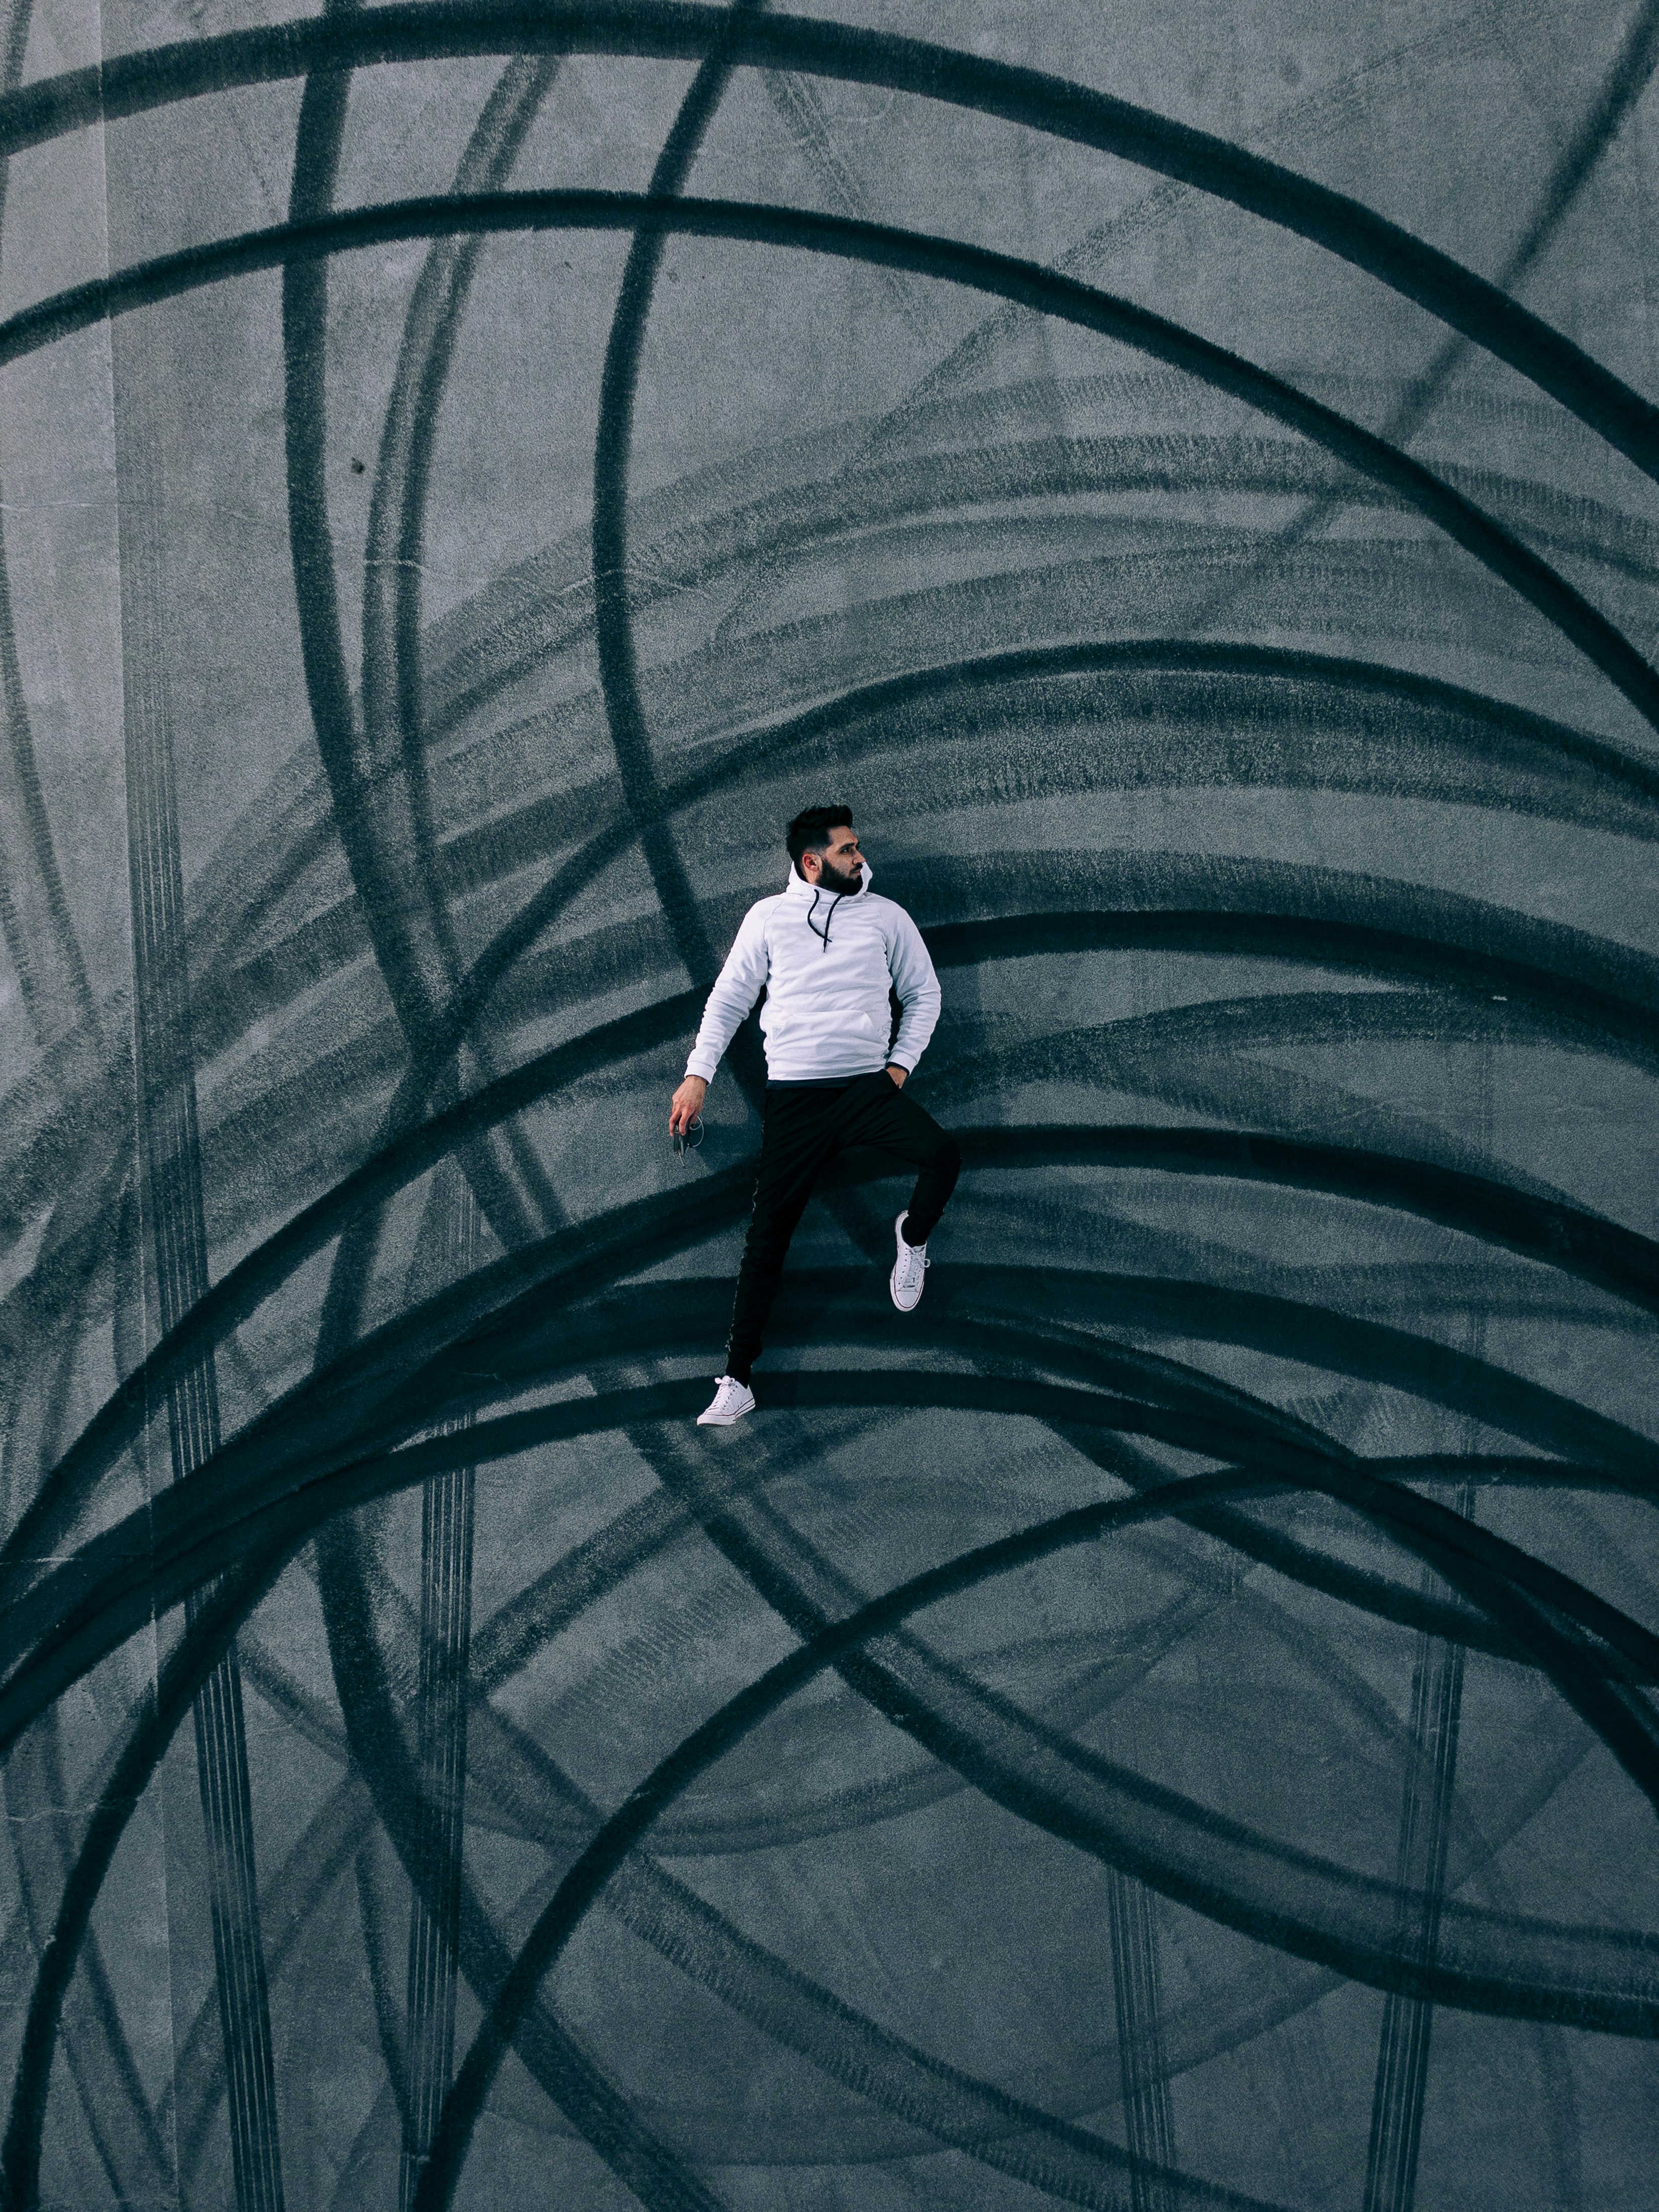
723, 1420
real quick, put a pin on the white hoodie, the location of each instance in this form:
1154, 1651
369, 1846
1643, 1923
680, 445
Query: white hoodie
826, 960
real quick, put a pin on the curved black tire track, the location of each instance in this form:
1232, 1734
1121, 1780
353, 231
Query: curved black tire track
630, 738
882, 245
392, 713
190, 1544
832, 1645
1543, 1229
260, 1559
674, 29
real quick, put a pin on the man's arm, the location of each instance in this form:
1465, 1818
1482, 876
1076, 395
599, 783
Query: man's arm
736, 989
918, 995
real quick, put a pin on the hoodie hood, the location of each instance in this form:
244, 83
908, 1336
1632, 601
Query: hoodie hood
798, 887
823, 906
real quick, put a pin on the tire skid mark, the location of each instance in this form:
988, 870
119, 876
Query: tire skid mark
675, 30
1542, 1230
391, 710
1627, 80
986, 2122
643, 2162
542, 609
175, 1229
472, 1328
1589, 977
1478, 1566
541, 1818
411, 963
505, 950
1402, 2057
1600, 1698
129, 2146
333, 938
392, 769
852, 2049
397, 914
200, 1652
630, 738
526, 1623
441, 1710
40, 931
303, 244
175, 1713
839, 1644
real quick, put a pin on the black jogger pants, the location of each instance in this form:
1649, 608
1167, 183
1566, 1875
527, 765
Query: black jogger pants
805, 1129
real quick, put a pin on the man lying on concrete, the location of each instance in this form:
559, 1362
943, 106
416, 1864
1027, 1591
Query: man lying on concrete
827, 951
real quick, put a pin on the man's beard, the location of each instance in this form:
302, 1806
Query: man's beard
831, 878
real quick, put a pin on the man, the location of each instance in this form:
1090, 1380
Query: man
827, 952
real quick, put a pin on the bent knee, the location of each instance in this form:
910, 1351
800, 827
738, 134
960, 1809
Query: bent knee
946, 1157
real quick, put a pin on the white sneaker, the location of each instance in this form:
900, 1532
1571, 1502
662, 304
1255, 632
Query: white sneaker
730, 1403
909, 1269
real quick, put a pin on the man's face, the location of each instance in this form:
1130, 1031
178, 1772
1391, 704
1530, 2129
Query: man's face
840, 867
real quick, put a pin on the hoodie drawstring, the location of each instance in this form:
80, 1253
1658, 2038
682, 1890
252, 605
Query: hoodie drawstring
835, 899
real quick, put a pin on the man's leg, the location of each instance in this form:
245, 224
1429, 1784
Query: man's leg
886, 1117
800, 1133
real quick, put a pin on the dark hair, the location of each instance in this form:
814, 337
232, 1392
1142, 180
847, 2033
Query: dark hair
810, 832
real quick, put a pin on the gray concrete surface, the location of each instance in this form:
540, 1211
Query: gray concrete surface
390, 710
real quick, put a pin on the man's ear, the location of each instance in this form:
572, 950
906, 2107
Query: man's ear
811, 865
